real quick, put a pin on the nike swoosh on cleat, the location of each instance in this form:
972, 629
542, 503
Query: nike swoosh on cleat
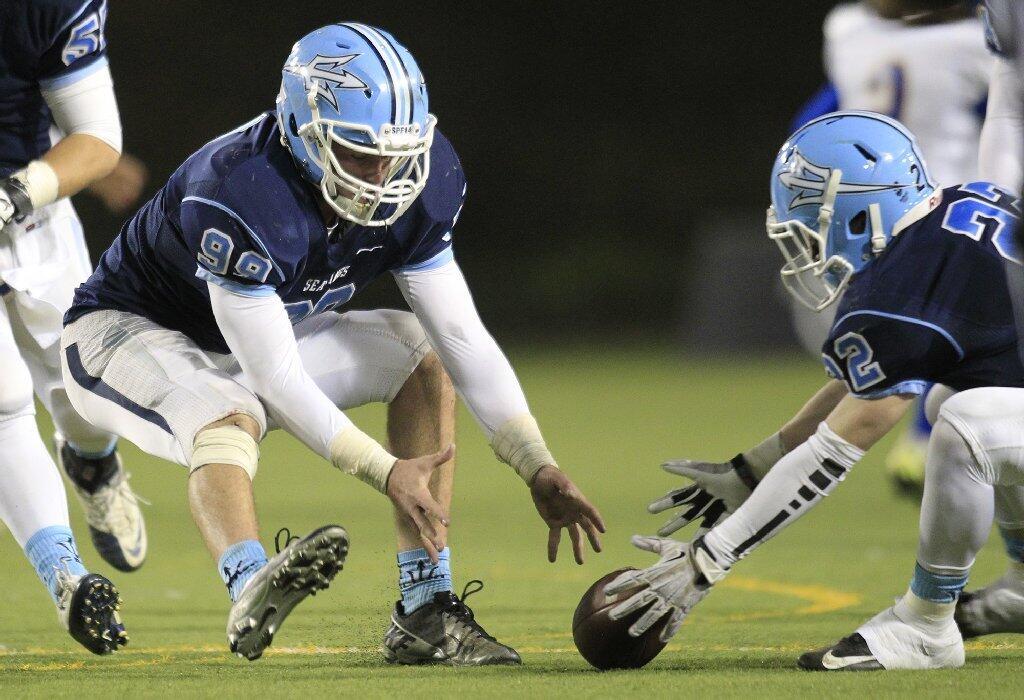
834, 663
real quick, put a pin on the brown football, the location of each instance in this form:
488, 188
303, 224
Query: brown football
605, 642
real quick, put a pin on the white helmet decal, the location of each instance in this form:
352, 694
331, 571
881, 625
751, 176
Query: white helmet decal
813, 179
322, 71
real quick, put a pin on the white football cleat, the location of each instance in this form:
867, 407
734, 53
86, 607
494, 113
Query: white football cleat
111, 507
998, 607
886, 642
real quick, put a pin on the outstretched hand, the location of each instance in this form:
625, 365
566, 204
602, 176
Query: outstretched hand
562, 505
408, 489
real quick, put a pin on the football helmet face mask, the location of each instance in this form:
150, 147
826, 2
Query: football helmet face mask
353, 87
842, 186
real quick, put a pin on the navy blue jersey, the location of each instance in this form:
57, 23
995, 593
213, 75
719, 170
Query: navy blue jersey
934, 306
44, 44
237, 213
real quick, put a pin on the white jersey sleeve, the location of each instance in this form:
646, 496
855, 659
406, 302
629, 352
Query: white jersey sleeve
270, 360
480, 371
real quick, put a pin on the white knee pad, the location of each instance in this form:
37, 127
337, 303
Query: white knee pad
227, 444
15, 389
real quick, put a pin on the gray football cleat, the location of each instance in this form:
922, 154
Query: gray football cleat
998, 607
444, 631
302, 568
87, 608
111, 507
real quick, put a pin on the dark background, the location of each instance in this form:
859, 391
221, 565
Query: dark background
606, 144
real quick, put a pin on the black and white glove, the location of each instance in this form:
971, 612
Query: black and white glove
680, 579
718, 490
14, 201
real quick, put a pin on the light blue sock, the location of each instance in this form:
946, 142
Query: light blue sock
419, 578
238, 564
1014, 547
51, 549
936, 587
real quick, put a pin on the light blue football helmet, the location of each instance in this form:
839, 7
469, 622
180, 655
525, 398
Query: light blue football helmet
353, 86
842, 186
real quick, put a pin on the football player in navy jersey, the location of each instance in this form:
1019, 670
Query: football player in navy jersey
923, 300
212, 319
59, 133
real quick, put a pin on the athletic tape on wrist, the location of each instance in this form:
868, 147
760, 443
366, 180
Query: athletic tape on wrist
519, 444
356, 453
39, 182
227, 444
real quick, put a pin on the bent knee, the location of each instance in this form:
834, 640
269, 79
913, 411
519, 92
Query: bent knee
249, 423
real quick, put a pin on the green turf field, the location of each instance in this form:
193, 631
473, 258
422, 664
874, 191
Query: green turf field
610, 418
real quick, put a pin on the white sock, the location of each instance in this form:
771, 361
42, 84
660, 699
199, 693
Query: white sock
32, 494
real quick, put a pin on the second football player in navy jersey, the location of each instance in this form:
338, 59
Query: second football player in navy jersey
211, 320
919, 271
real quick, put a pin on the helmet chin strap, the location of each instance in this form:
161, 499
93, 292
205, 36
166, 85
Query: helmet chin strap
877, 234
828, 204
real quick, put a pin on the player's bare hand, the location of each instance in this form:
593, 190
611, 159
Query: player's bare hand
408, 489
562, 505
716, 492
123, 186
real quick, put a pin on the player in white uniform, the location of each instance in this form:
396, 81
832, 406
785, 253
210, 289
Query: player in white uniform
930, 70
59, 132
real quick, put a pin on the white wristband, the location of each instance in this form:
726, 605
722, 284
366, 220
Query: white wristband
519, 444
764, 456
356, 453
40, 182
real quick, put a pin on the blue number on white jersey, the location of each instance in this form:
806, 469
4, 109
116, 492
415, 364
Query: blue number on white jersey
332, 298
973, 216
863, 373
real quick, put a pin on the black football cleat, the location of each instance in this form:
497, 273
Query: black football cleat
444, 631
848, 654
305, 566
87, 607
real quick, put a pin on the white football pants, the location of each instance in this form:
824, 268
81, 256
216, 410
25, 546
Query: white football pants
158, 389
975, 468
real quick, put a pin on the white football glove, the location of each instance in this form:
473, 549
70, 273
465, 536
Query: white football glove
671, 587
717, 492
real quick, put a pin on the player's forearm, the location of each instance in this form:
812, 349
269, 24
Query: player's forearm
78, 160
478, 368
863, 422
805, 422
272, 367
